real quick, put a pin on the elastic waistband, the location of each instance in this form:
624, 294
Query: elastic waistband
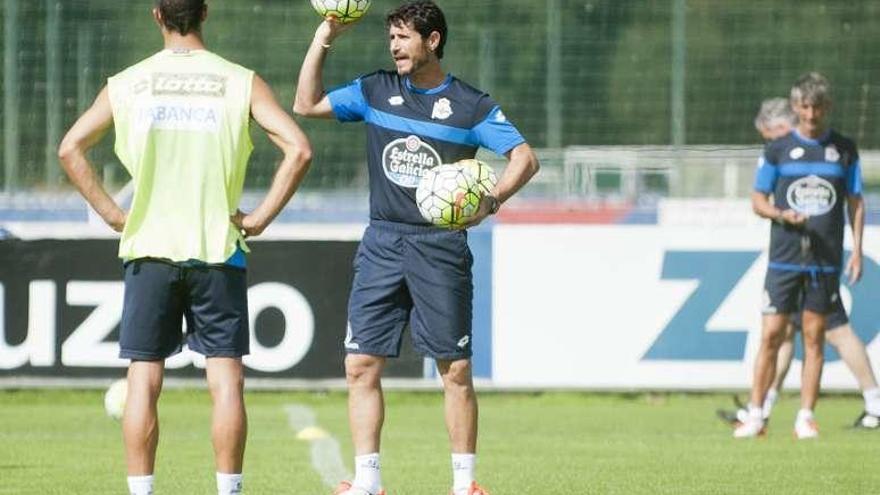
406, 228
184, 264
791, 267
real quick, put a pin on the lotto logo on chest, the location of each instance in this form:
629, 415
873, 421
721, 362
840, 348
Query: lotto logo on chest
189, 85
406, 160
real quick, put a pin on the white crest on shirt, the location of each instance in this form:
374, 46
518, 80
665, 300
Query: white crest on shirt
395, 101
442, 109
796, 153
831, 154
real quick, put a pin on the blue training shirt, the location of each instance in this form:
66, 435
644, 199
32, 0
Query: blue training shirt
411, 130
813, 177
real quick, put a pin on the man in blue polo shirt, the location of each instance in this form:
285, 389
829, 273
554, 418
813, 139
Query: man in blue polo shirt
406, 270
811, 173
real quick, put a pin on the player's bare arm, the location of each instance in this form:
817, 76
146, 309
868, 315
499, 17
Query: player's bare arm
522, 165
856, 207
289, 138
85, 134
310, 99
763, 208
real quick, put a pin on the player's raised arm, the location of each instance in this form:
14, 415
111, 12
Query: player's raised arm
310, 99
82, 136
289, 138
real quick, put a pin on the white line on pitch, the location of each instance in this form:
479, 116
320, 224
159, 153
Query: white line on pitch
325, 453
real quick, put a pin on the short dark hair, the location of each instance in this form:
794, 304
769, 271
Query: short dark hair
424, 16
182, 16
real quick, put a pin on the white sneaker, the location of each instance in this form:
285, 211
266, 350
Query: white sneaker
867, 421
345, 488
750, 428
805, 429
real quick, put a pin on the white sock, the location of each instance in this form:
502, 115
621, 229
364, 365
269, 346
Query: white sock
805, 415
770, 401
756, 413
462, 472
366, 473
228, 484
872, 401
140, 485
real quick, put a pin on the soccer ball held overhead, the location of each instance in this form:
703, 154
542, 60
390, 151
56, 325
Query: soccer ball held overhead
345, 11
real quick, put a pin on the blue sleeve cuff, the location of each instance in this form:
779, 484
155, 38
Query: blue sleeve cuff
854, 179
496, 133
348, 102
765, 177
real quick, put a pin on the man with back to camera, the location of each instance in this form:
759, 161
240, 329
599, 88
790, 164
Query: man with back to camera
407, 270
776, 119
181, 120
809, 172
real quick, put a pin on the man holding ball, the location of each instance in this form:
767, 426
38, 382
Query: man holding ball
408, 271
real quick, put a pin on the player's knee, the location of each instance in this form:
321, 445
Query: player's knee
841, 335
773, 340
813, 343
227, 391
457, 373
362, 370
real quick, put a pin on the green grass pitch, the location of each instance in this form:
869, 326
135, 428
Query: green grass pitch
60, 442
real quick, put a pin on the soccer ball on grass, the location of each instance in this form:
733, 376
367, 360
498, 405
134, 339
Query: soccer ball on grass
344, 11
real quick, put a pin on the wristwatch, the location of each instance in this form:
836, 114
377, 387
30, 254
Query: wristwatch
494, 204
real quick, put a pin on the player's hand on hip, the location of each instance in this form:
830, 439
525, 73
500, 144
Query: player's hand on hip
792, 217
854, 267
117, 223
247, 224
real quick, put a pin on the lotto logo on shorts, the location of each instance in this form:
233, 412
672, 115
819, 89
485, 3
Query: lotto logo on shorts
767, 307
189, 84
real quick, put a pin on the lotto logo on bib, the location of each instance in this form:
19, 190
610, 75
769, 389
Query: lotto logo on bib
811, 196
406, 160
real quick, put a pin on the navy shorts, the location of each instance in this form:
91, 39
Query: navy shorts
789, 291
411, 274
160, 294
835, 319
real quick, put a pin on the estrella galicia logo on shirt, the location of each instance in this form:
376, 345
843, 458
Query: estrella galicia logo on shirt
811, 195
406, 160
